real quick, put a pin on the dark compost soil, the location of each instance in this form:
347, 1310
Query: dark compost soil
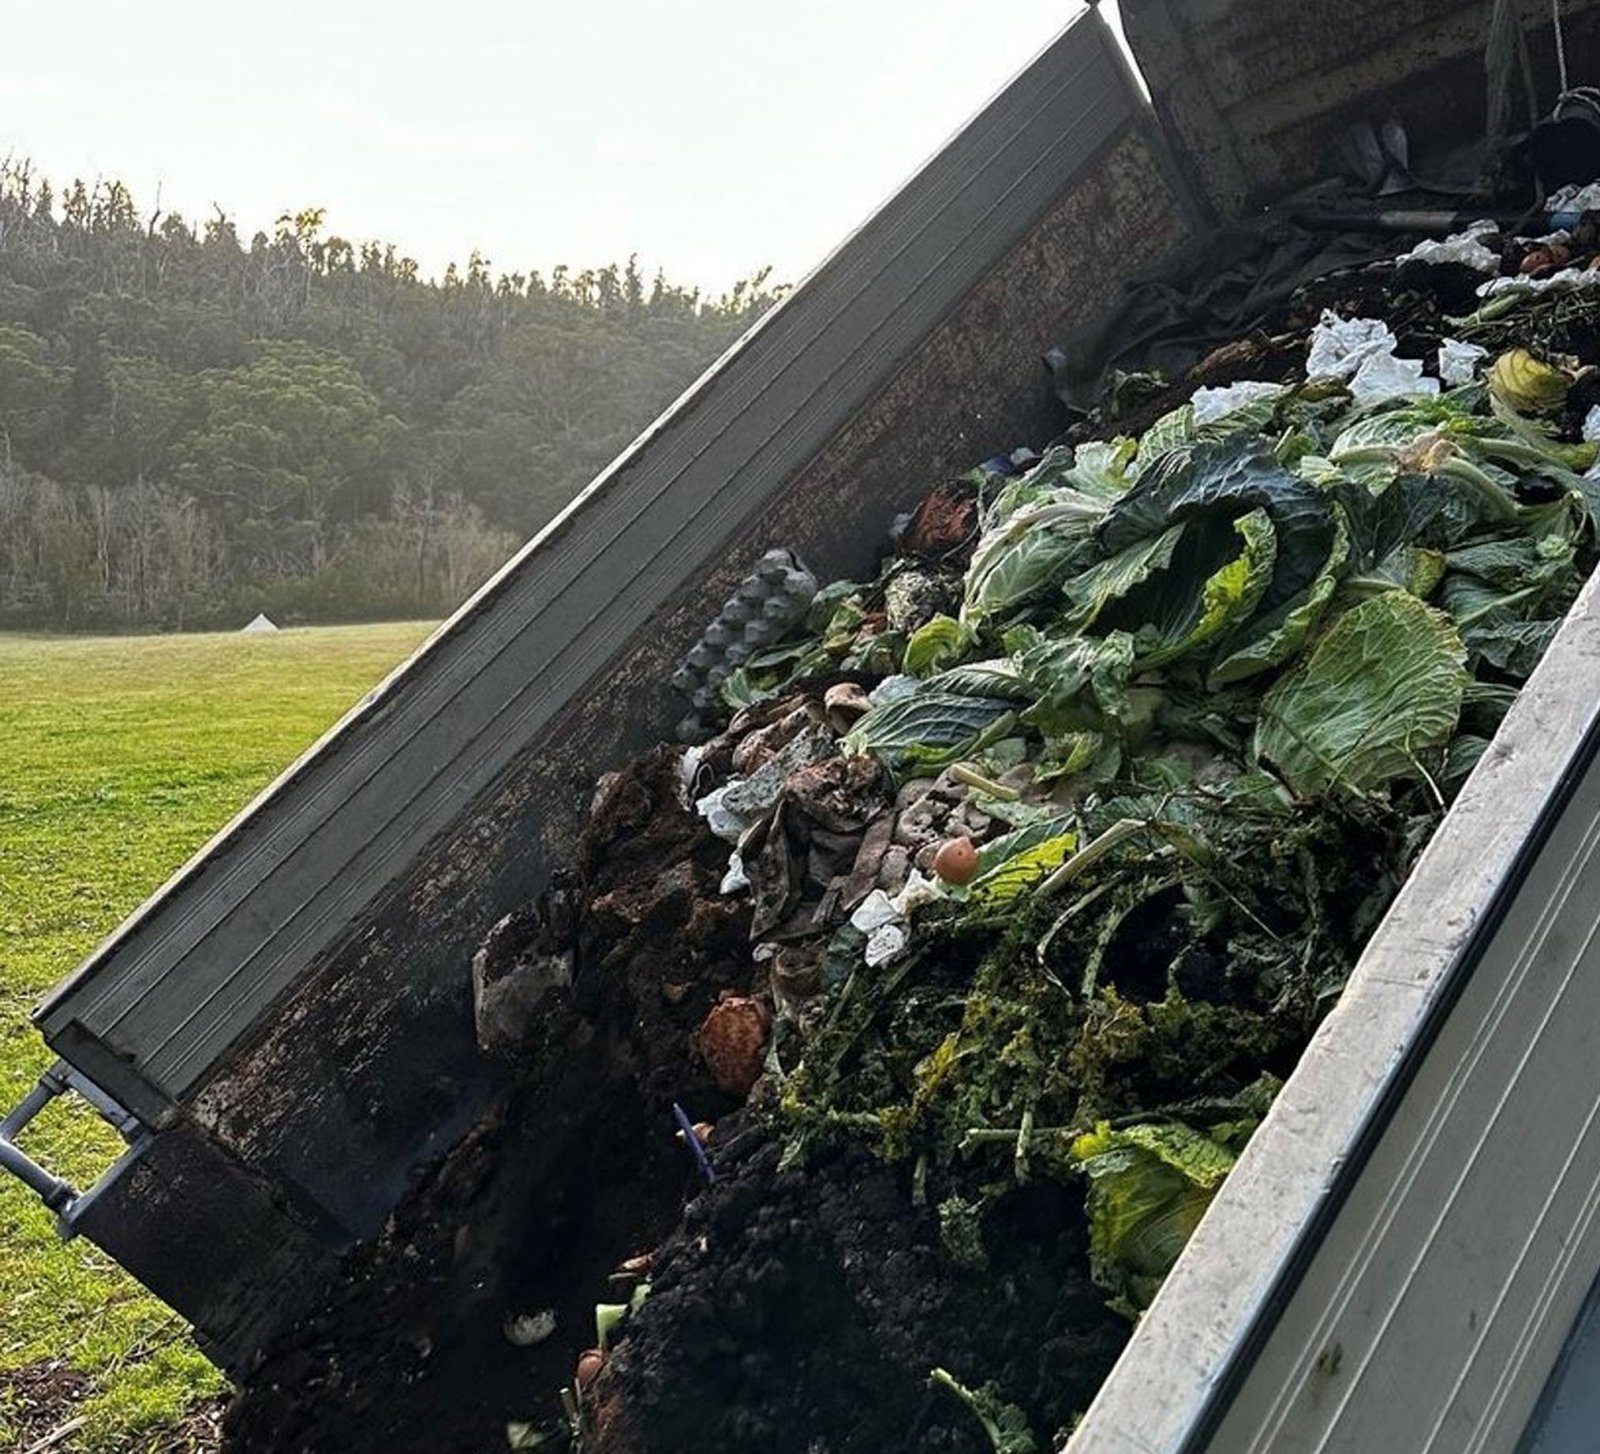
789, 1311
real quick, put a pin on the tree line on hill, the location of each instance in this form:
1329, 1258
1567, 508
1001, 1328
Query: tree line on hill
194, 427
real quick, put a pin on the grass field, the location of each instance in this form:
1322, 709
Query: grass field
118, 758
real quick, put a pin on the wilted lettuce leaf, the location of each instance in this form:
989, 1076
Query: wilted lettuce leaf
1072, 671
1272, 637
1010, 865
935, 644
1185, 619
998, 677
1495, 582
927, 729
1169, 432
1149, 1186
1383, 684
1462, 756
1443, 440
1023, 558
1391, 525
1398, 428
1254, 416
1222, 481
1541, 436
1513, 647
1040, 527
1107, 580
1067, 754
739, 690
826, 601
1100, 468
1516, 563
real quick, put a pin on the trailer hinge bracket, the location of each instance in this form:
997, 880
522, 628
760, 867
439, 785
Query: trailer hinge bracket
55, 1192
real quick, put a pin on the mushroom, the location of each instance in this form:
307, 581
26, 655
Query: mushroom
843, 703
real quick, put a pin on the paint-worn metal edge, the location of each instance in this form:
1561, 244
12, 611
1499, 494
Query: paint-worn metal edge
225, 872
1198, 1346
1568, 1411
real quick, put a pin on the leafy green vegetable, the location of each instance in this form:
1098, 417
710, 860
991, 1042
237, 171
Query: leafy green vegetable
1069, 754
1004, 1423
1101, 468
1090, 590
1149, 1186
1169, 432
1013, 863
927, 729
1061, 670
1383, 684
1393, 525
1041, 527
1273, 637
1511, 646
998, 677
1184, 620
1224, 480
1028, 555
938, 643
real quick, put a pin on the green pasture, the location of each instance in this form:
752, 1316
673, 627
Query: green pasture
118, 758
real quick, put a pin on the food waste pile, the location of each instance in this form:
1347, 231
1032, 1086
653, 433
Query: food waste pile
893, 1027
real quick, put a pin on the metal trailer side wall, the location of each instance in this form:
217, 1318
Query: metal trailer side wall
1255, 93
294, 1010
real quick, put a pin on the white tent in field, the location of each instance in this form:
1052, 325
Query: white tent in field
262, 623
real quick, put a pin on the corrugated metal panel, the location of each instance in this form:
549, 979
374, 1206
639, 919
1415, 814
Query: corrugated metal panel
167, 996
1401, 1251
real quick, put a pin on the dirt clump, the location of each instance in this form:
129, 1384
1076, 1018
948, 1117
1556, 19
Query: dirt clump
797, 1309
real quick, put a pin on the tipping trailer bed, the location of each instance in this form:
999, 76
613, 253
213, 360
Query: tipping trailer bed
285, 1031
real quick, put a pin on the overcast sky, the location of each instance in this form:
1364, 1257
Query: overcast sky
709, 136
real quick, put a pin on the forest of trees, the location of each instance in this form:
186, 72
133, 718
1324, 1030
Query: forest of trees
194, 427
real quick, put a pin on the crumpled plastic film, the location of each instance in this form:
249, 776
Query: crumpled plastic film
1339, 346
1213, 404
1361, 352
1458, 361
1466, 248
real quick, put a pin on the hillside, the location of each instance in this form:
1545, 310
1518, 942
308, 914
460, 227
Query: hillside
195, 426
